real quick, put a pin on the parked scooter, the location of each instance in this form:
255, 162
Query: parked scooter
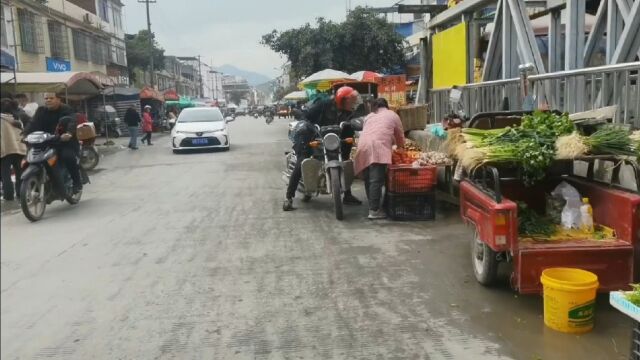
108, 122
89, 156
45, 179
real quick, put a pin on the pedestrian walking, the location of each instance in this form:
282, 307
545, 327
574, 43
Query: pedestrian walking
382, 129
12, 150
147, 125
132, 119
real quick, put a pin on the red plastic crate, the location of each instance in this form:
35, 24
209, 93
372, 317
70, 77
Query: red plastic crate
408, 179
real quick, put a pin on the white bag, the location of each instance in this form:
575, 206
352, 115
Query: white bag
570, 218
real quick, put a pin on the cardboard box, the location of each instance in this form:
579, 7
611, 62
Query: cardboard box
86, 131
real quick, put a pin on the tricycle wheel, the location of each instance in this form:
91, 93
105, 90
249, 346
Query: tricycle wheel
484, 260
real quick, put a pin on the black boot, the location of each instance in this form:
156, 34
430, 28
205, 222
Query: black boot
349, 199
288, 205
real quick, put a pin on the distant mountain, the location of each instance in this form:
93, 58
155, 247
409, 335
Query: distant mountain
253, 78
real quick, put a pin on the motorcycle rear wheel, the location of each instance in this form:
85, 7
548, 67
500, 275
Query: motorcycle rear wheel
32, 206
90, 159
336, 192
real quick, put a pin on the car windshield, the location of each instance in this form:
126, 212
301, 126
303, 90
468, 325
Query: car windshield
208, 115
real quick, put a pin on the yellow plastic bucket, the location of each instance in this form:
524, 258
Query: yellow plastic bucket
569, 299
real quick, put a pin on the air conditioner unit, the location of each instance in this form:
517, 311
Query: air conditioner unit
87, 19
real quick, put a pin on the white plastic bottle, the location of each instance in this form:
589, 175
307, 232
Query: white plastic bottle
586, 216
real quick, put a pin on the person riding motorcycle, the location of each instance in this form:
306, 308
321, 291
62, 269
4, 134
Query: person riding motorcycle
330, 111
58, 119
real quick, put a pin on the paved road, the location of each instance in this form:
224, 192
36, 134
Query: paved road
190, 257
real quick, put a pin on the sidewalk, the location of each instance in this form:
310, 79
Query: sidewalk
117, 144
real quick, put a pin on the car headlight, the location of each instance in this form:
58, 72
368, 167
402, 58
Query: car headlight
331, 142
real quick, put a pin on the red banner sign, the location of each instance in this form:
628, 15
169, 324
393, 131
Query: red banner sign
393, 88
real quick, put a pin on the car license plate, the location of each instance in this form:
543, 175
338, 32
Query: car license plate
200, 141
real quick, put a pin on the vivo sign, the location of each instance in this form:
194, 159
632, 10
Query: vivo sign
57, 65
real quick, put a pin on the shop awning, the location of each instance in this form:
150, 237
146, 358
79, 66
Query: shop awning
322, 80
70, 83
150, 93
296, 95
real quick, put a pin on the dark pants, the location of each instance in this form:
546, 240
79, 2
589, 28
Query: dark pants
146, 137
69, 157
374, 177
6, 163
303, 152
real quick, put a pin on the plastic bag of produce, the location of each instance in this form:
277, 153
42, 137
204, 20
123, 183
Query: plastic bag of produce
570, 216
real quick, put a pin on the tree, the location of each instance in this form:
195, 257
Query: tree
138, 53
364, 41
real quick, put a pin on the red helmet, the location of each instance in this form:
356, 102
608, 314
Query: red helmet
344, 93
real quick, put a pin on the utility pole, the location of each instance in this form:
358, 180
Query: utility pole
150, 38
200, 76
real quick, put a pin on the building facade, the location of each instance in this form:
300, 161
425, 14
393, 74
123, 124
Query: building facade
66, 35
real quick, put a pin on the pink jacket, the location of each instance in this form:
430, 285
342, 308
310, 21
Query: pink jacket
381, 130
147, 122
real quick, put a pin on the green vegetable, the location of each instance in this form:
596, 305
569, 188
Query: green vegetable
611, 140
531, 223
531, 145
634, 295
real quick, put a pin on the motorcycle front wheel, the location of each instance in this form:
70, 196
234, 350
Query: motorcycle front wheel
89, 159
32, 201
336, 192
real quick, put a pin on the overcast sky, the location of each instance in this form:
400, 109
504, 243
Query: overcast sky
229, 31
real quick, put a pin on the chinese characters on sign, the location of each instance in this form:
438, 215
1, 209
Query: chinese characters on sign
393, 88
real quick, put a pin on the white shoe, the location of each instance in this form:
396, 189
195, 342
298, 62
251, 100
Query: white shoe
377, 215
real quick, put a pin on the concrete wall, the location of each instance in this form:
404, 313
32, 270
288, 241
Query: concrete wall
73, 16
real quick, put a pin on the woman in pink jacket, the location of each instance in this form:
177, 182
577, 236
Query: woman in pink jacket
147, 125
382, 129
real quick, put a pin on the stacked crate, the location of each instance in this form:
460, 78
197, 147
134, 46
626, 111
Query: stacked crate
411, 192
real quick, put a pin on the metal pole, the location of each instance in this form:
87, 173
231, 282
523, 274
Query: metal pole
15, 53
105, 121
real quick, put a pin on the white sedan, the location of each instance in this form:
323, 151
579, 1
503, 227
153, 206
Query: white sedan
200, 128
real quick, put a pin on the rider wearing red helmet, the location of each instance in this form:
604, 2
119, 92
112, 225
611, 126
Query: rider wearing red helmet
330, 111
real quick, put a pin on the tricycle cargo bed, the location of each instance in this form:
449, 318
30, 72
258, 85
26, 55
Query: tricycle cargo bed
496, 222
611, 261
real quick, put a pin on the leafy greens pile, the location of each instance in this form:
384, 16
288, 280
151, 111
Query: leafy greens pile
532, 144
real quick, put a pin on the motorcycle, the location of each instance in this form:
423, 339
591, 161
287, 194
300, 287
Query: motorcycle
108, 122
89, 156
268, 118
325, 172
44, 178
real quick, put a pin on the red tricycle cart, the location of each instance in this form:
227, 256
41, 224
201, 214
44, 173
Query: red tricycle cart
488, 203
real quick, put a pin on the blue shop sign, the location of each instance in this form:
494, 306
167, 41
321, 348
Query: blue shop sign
57, 65
7, 60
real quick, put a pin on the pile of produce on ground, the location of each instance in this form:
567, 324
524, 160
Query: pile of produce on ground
540, 139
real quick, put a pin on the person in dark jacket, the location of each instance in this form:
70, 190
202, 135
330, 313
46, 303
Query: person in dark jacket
59, 119
330, 111
132, 119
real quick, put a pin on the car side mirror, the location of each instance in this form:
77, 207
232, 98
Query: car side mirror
229, 119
